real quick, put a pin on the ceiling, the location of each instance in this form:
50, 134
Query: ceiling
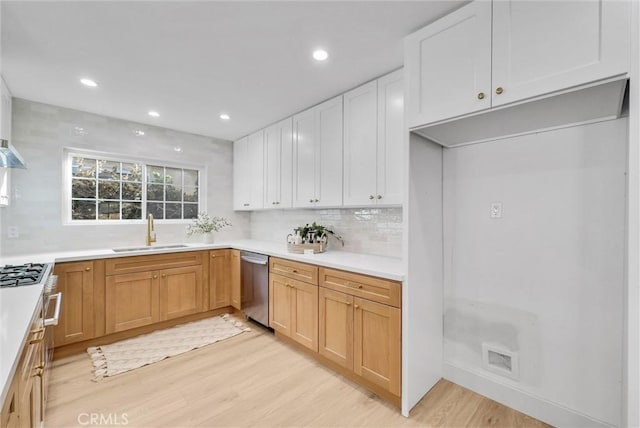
192, 61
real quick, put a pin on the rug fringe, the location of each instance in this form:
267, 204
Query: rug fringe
99, 362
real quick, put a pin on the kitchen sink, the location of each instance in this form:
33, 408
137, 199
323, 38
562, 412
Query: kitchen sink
156, 247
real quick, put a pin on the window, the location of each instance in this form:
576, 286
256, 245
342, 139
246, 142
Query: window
110, 189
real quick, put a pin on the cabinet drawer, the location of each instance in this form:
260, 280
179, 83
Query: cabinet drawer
158, 261
294, 270
368, 287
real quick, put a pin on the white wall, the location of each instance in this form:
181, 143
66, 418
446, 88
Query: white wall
40, 132
545, 280
375, 231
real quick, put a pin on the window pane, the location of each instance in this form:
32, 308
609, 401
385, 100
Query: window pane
190, 178
108, 170
83, 189
173, 193
173, 211
131, 210
190, 194
83, 210
173, 176
155, 174
81, 167
132, 172
155, 209
190, 210
132, 191
108, 190
109, 210
155, 192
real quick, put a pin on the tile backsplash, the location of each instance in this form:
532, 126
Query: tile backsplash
376, 231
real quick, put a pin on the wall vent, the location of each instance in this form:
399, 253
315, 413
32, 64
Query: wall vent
500, 361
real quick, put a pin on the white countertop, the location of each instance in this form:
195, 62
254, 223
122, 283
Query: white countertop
17, 305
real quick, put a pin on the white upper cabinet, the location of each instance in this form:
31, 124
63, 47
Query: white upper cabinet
5, 111
360, 144
255, 173
278, 143
488, 54
542, 47
317, 156
241, 192
449, 65
248, 172
373, 133
391, 133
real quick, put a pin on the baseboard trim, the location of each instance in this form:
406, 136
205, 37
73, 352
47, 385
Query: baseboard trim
522, 401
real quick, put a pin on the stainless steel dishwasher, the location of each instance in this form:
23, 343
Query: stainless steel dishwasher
255, 286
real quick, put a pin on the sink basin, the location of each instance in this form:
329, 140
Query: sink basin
157, 247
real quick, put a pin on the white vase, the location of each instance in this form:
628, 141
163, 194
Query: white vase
207, 238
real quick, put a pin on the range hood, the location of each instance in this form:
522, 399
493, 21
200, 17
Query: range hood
9, 156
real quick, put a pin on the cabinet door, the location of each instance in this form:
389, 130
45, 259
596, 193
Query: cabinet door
304, 314
131, 300
541, 47
76, 323
241, 178
304, 164
255, 148
360, 141
278, 165
391, 133
180, 292
449, 65
11, 407
236, 285
280, 291
328, 161
335, 340
377, 344
219, 279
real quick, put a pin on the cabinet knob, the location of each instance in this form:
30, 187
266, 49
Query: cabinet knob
294, 270
499, 90
480, 95
370, 196
311, 200
155, 276
348, 303
213, 256
164, 275
245, 205
317, 200
356, 306
87, 269
379, 196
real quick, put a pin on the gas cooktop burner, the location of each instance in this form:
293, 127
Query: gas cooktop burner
27, 274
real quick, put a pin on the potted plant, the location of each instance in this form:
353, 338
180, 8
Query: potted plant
206, 225
312, 235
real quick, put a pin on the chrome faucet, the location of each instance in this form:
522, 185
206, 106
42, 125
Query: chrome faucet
151, 235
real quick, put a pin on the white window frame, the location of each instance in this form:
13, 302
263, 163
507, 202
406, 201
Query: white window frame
68, 153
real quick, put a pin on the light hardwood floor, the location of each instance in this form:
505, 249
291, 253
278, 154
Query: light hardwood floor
251, 380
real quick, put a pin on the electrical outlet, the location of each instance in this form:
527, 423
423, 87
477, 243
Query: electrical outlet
496, 210
13, 232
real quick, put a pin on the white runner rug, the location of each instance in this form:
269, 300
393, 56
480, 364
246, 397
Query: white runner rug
130, 354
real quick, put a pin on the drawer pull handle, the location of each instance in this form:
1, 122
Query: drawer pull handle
87, 269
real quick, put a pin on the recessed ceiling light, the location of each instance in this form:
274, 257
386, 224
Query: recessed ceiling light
88, 82
154, 114
177, 149
138, 133
320, 55
225, 116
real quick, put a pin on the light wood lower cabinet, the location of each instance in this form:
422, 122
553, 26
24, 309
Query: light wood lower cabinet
376, 343
180, 292
76, 322
236, 284
132, 300
219, 279
10, 411
293, 309
336, 327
